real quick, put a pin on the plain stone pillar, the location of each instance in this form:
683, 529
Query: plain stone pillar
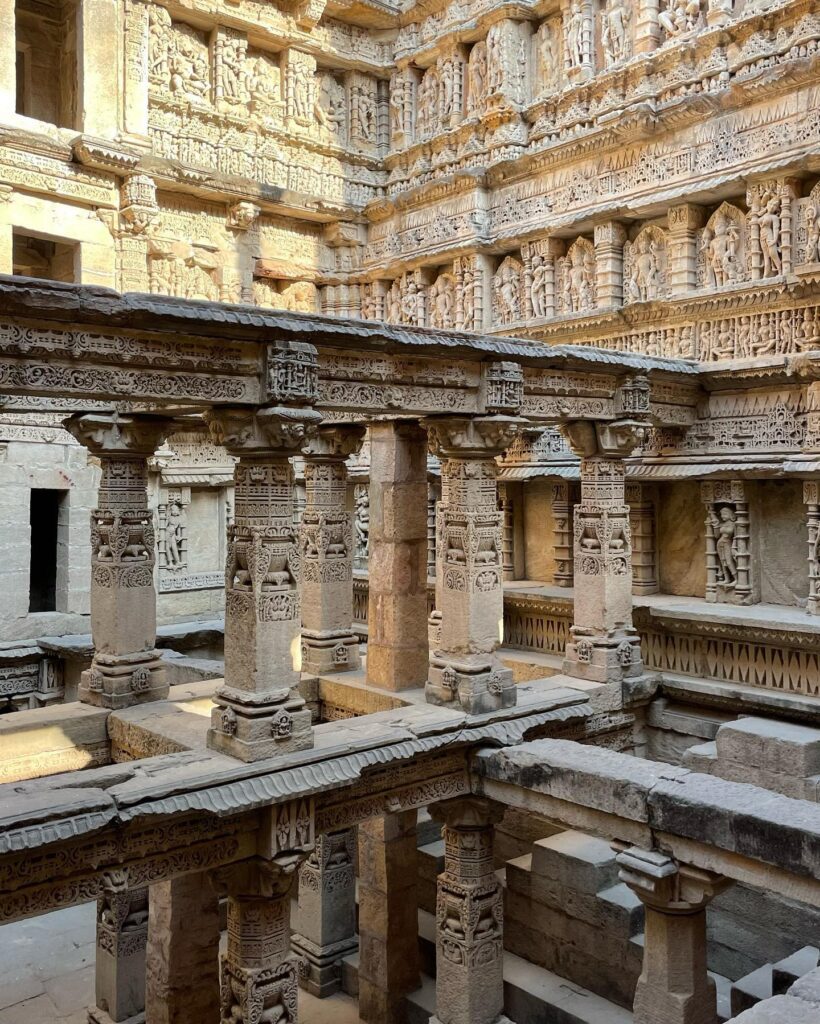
605, 647
464, 668
326, 923
127, 668
98, 40
122, 930
259, 711
328, 641
388, 917
469, 914
182, 958
674, 986
397, 565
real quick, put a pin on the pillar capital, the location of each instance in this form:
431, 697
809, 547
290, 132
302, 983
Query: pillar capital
249, 432
467, 812
332, 442
113, 433
605, 439
666, 885
471, 437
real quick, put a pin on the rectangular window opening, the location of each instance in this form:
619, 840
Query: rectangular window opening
43, 516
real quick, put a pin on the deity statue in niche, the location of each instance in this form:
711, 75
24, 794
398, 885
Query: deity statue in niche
538, 287
442, 302
812, 234
399, 99
365, 114
575, 34
495, 60
769, 221
362, 521
448, 88
615, 31
160, 39
262, 85
680, 17
301, 92
507, 284
477, 77
644, 284
548, 57
724, 527
720, 246
578, 281
174, 533
330, 106
469, 286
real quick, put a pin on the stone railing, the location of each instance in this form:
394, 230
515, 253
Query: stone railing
781, 660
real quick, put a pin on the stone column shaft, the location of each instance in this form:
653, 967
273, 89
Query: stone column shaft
259, 977
642, 526
259, 711
609, 264
605, 647
684, 222
126, 668
328, 641
397, 563
8, 60
388, 917
811, 498
122, 931
647, 28
182, 959
98, 36
674, 986
562, 527
469, 917
326, 923
469, 592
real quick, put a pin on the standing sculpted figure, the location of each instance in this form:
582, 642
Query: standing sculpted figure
644, 283
721, 251
508, 292
398, 101
812, 234
538, 288
615, 31
173, 536
495, 61
724, 528
575, 34
478, 76
580, 283
769, 221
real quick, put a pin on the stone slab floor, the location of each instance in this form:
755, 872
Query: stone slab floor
47, 974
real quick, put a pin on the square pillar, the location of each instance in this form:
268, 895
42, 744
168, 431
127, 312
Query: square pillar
326, 920
674, 986
397, 563
562, 533
182, 957
811, 498
8, 61
259, 711
469, 917
647, 27
122, 931
388, 917
328, 641
99, 72
126, 668
609, 264
642, 525
685, 221
605, 647
464, 668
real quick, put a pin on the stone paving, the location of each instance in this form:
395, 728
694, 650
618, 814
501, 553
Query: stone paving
47, 975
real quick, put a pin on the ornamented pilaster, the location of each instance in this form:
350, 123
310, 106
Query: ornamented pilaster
728, 556
684, 223
604, 646
259, 712
469, 916
506, 508
609, 264
432, 544
326, 922
126, 668
122, 933
674, 986
811, 497
469, 576
327, 545
642, 525
562, 534
647, 27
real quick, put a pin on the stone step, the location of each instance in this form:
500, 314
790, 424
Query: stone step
574, 860
751, 989
790, 970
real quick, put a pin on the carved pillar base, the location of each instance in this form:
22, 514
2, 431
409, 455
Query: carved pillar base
121, 682
469, 915
326, 922
674, 986
478, 684
122, 934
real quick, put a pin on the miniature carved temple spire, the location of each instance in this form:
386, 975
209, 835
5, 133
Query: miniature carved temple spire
126, 668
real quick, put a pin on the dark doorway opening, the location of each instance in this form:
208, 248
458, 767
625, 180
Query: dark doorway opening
43, 516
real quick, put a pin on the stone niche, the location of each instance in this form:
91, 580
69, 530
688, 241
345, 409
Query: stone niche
680, 539
46, 45
779, 541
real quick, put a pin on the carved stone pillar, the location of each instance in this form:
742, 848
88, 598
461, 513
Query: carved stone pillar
182, 958
674, 986
469, 916
328, 641
126, 668
259, 976
604, 646
811, 497
8, 61
642, 526
397, 567
326, 922
135, 86
122, 932
729, 577
466, 669
259, 712
507, 510
609, 264
647, 27
432, 501
684, 222
388, 916
562, 534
